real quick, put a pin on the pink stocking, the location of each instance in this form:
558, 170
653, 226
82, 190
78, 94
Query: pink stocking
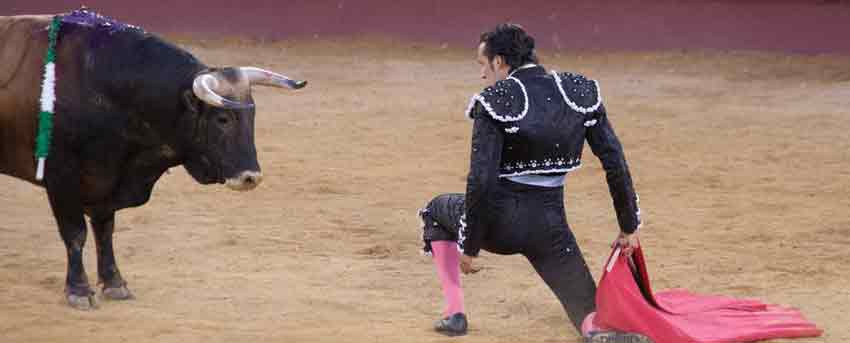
447, 259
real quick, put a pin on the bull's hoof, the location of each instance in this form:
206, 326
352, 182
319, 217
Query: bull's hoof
117, 293
82, 302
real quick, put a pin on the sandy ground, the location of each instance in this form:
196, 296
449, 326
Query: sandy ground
741, 160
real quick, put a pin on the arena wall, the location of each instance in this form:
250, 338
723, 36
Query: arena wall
816, 26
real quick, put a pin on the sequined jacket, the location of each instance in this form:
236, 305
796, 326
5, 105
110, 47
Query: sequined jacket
536, 122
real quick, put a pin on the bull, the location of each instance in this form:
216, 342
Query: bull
129, 105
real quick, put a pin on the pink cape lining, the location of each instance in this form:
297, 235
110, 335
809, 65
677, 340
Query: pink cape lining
625, 302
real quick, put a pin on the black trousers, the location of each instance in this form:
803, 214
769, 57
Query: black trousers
527, 220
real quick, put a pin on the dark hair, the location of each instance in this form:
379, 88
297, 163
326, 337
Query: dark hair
512, 43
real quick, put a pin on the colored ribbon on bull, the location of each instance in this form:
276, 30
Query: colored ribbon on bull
48, 99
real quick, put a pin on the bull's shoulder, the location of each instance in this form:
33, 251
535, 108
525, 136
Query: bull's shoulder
38, 20
17, 34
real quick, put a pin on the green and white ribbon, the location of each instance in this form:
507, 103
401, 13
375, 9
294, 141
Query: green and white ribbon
48, 98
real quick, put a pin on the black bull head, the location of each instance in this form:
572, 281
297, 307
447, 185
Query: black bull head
222, 116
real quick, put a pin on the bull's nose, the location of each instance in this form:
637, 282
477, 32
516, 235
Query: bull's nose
246, 181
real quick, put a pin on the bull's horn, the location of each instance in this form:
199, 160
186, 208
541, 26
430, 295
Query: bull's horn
203, 88
257, 76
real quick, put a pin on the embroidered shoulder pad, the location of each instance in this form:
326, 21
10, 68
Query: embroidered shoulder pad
505, 101
580, 93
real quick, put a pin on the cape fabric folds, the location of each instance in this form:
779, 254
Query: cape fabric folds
625, 302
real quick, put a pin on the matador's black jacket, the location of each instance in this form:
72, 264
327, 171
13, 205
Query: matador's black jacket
536, 122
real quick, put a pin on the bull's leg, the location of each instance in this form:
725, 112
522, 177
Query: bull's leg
62, 180
72, 228
114, 286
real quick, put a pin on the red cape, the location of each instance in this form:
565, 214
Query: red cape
625, 302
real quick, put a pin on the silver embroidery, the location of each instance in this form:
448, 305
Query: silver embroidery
559, 165
573, 105
506, 118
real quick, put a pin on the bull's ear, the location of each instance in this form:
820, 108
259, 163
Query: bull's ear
191, 101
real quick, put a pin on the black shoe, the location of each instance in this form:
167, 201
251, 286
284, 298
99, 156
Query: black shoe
615, 337
454, 325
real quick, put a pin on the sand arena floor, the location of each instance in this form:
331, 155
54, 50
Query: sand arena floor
742, 162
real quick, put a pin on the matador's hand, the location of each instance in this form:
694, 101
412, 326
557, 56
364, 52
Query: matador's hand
467, 266
627, 242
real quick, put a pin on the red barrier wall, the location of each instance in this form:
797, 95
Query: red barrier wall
816, 26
